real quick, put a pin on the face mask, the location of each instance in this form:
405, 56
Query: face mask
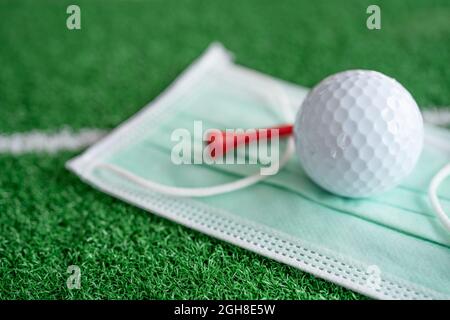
390, 246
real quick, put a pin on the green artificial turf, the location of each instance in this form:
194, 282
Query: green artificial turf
51, 220
126, 53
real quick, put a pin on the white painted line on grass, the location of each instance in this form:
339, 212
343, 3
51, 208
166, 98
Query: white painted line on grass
39, 141
437, 116
70, 140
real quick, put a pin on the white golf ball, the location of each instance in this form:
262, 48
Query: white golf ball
358, 133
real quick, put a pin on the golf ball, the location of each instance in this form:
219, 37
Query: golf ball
358, 133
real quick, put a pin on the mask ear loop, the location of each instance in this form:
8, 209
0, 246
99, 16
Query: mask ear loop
432, 193
276, 96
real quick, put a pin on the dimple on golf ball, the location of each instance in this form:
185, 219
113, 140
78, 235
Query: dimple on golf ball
358, 133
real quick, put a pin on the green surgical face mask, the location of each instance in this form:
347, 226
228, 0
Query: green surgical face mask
390, 246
